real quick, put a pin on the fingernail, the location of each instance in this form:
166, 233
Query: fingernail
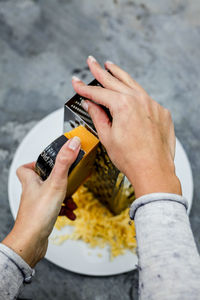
109, 62
84, 105
75, 78
91, 58
74, 143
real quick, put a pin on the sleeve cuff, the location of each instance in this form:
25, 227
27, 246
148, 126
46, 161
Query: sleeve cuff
155, 197
25, 269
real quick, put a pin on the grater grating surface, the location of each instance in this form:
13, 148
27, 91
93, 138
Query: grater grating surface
106, 182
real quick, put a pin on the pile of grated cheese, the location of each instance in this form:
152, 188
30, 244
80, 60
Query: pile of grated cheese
97, 226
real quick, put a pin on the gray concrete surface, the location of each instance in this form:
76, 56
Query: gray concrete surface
44, 43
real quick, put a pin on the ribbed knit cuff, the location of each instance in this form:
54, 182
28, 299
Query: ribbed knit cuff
155, 197
25, 269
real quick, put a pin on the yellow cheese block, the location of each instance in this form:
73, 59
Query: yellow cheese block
83, 169
88, 140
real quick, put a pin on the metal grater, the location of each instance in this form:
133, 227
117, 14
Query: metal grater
106, 182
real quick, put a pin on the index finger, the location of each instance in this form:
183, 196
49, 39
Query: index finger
97, 94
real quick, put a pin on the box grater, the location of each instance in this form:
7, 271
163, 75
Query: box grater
106, 182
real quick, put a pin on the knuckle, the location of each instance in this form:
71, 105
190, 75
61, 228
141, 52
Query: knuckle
108, 78
145, 99
63, 159
149, 107
19, 171
154, 105
168, 113
54, 186
101, 75
123, 103
57, 182
141, 99
90, 92
86, 91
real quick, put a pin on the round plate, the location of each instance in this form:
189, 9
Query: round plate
77, 256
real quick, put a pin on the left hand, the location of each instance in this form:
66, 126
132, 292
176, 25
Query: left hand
40, 205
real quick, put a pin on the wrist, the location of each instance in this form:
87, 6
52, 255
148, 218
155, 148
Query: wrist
154, 179
25, 245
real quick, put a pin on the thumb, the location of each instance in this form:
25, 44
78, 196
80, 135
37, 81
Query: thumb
66, 156
100, 120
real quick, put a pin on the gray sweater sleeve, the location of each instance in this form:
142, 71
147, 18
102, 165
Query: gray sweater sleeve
14, 271
169, 263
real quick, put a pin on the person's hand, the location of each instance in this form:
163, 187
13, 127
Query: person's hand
140, 140
40, 205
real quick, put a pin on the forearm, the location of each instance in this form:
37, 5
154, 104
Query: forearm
14, 271
169, 264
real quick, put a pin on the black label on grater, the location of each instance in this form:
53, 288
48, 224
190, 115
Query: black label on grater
47, 158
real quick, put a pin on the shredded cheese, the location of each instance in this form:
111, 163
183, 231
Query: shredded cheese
97, 226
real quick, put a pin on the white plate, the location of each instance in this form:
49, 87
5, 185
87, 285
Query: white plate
76, 256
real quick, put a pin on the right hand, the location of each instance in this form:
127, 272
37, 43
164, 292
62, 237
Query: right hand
140, 140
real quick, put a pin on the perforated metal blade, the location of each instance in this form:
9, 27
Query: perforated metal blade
106, 182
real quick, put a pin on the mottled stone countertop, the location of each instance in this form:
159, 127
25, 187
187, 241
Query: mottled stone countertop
44, 43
